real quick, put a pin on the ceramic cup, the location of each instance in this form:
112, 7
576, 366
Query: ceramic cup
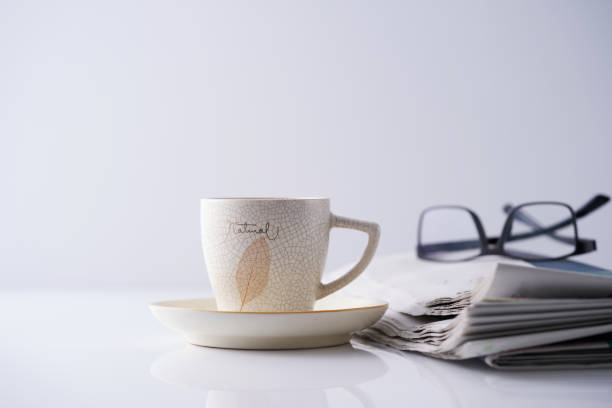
268, 254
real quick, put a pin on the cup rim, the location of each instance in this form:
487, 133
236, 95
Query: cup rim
264, 198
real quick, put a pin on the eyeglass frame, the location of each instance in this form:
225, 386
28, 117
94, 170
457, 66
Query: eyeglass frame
495, 245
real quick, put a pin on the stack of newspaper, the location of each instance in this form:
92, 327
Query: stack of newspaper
511, 312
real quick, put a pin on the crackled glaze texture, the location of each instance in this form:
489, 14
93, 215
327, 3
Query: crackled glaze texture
269, 254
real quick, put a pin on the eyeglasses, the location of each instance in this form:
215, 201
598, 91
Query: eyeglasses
535, 231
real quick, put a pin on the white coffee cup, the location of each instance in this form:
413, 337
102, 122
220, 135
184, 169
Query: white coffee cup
268, 254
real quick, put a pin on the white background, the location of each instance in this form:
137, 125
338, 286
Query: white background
116, 117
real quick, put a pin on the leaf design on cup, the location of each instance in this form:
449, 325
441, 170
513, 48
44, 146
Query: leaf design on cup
253, 271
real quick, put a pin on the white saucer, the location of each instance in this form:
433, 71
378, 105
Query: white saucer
330, 323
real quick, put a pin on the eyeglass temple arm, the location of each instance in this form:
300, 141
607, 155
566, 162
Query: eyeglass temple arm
592, 205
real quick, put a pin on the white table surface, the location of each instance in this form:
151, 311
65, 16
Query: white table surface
104, 348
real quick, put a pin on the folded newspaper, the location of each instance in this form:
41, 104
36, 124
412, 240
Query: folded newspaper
512, 309
591, 352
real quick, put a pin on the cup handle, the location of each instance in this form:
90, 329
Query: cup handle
373, 231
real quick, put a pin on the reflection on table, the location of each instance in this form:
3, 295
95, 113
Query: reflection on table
291, 378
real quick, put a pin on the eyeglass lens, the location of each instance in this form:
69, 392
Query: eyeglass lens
449, 234
541, 231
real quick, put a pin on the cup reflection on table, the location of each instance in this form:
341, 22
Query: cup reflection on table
287, 378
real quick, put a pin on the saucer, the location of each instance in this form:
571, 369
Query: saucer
331, 323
